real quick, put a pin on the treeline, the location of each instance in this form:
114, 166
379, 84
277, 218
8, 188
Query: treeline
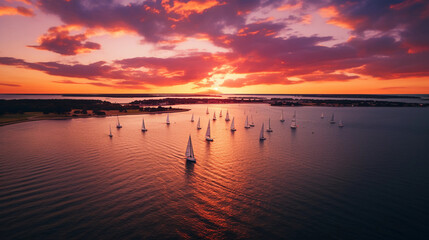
344, 103
59, 106
177, 101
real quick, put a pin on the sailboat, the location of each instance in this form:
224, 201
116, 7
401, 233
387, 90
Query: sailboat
282, 118
246, 124
208, 138
322, 116
220, 114
168, 119
198, 124
214, 115
143, 126
110, 134
340, 124
332, 119
207, 110
252, 124
293, 123
190, 151
118, 125
261, 136
227, 116
269, 125
192, 118
233, 125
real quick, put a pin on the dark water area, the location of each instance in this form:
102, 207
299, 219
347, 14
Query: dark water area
66, 179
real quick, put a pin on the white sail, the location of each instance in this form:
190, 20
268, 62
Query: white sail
143, 126
252, 124
246, 124
332, 119
232, 125
192, 118
118, 125
190, 151
227, 116
293, 123
282, 118
198, 124
220, 114
168, 118
207, 110
340, 124
269, 125
322, 116
214, 115
261, 136
208, 137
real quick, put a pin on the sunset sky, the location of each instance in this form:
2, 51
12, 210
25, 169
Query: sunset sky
242, 46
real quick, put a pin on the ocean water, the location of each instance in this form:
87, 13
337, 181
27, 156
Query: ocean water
66, 179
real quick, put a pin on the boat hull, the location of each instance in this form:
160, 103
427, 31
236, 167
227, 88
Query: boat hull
269, 130
191, 159
233, 130
209, 139
144, 130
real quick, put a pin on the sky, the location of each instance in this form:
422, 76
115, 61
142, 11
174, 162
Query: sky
201, 46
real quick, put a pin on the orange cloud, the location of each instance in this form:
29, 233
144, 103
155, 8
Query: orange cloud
187, 8
288, 6
335, 18
16, 11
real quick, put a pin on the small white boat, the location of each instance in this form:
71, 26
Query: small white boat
293, 123
340, 124
282, 117
214, 115
246, 124
208, 137
322, 116
227, 116
144, 129
207, 110
220, 114
192, 118
168, 119
190, 151
332, 119
118, 125
252, 124
198, 124
269, 125
261, 136
110, 129
233, 125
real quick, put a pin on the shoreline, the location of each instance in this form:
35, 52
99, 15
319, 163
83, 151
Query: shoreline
111, 113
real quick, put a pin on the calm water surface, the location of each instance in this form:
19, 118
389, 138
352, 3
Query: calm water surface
369, 180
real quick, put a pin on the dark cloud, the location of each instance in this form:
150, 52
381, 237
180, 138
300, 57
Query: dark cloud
59, 40
10, 85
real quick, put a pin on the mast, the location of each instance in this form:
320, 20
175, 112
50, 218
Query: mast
322, 116
232, 125
214, 115
143, 126
282, 118
207, 110
220, 115
192, 118
198, 124
252, 124
261, 136
208, 137
269, 125
168, 118
190, 150
246, 124
332, 119
227, 116
293, 123
119, 124
110, 129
